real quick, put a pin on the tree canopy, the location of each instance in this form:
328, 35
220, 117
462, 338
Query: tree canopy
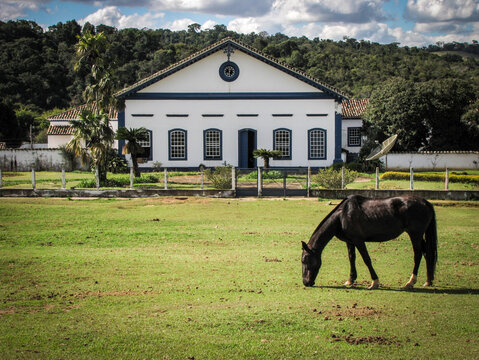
426, 116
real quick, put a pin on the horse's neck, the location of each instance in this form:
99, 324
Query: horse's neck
323, 234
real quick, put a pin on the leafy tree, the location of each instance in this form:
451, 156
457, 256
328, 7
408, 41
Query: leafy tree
266, 155
10, 130
397, 107
425, 115
133, 147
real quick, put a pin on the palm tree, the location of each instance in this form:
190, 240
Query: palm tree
92, 138
133, 147
92, 135
266, 155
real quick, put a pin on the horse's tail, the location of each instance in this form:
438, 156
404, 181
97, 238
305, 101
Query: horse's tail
430, 250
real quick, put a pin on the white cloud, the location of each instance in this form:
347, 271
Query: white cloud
112, 16
246, 25
329, 11
179, 24
209, 24
15, 9
442, 10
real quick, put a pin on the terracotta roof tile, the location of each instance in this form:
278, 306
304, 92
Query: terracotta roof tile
74, 113
60, 130
354, 108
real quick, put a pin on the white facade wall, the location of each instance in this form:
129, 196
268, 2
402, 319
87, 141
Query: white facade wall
264, 124
254, 76
55, 141
433, 161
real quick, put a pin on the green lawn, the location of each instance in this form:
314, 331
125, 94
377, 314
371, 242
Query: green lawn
200, 278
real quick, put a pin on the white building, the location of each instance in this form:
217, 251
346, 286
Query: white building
60, 131
223, 102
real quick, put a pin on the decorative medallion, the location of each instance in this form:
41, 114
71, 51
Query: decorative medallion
229, 71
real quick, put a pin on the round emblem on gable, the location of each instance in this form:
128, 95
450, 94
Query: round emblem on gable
229, 71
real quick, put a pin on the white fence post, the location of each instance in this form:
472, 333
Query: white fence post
166, 179
260, 183
377, 178
131, 177
33, 179
1, 180
447, 179
342, 177
308, 186
411, 179
64, 182
202, 179
233, 178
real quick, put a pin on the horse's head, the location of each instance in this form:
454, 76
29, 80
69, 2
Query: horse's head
311, 262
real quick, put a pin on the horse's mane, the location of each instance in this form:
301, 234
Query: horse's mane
328, 216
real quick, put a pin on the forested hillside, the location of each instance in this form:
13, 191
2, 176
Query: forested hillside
36, 66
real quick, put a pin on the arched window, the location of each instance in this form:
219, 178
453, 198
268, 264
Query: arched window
177, 144
282, 142
212, 144
316, 144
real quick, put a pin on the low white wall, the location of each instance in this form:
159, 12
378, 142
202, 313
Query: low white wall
26, 159
438, 160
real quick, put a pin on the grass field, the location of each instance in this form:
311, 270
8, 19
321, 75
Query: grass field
201, 278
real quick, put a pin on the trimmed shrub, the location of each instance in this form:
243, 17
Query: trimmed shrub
266, 174
331, 179
397, 175
220, 177
119, 181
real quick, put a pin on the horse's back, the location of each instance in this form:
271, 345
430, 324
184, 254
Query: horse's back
386, 218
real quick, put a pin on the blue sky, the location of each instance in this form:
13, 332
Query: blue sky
409, 22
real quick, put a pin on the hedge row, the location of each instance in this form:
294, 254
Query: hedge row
396, 175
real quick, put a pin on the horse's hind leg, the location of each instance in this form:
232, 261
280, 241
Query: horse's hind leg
352, 262
367, 260
416, 245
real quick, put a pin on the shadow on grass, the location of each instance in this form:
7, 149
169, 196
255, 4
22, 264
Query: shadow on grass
423, 290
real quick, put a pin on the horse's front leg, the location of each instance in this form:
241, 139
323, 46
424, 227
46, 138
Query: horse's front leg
367, 260
352, 262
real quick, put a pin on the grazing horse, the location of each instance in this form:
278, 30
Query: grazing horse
357, 220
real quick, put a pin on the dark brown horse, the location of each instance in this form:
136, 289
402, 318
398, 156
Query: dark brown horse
357, 220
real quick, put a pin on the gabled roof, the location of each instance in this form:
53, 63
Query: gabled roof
60, 130
335, 93
354, 108
74, 113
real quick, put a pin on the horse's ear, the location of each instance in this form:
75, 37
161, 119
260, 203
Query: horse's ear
306, 247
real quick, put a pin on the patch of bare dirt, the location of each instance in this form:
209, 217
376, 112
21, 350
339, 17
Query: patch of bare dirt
356, 312
378, 340
362, 179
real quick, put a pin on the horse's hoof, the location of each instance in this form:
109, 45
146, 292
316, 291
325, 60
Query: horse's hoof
349, 283
408, 286
374, 285
427, 283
